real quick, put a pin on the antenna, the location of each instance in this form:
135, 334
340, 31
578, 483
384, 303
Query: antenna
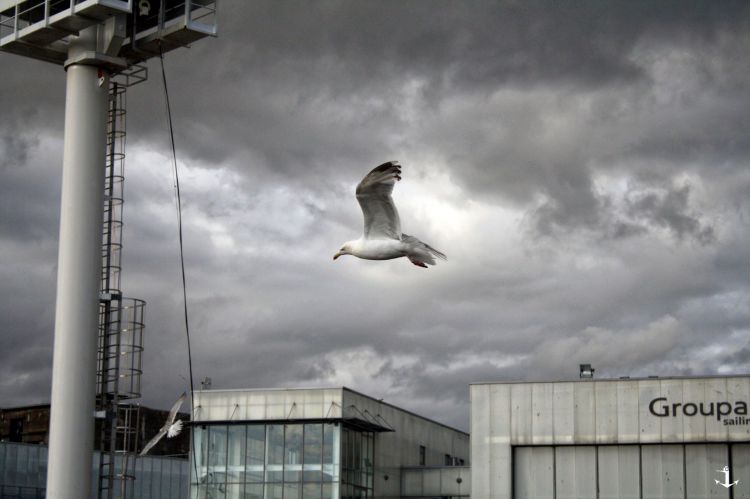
93, 40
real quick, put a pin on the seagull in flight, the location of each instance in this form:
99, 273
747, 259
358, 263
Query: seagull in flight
171, 428
382, 238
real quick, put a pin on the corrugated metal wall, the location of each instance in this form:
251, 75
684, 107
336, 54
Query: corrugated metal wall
574, 428
630, 471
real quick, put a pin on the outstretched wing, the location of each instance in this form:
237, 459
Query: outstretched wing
175, 408
374, 196
154, 441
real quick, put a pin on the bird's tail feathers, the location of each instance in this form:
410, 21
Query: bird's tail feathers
175, 429
435, 252
426, 252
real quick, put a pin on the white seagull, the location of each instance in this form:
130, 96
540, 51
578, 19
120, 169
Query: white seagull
171, 428
383, 239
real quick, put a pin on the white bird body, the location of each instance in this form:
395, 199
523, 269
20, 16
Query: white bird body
382, 238
376, 249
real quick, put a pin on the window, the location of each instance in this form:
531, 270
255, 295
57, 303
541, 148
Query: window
236, 454
422, 455
255, 450
16, 430
448, 461
275, 453
293, 453
275, 461
313, 454
357, 470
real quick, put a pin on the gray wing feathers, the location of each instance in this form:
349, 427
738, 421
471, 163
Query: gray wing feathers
175, 408
153, 441
374, 196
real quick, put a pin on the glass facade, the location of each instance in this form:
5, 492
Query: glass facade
23, 474
281, 461
357, 466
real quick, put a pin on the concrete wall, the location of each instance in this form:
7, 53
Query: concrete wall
444, 481
400, 448
643, 411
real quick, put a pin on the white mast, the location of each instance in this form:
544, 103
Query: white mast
71, 440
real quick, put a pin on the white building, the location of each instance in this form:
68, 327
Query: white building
320, 444
625, 438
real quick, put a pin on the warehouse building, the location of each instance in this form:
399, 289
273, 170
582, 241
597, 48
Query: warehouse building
624, 438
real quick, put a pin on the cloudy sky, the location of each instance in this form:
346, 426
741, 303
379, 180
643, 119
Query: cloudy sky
585, 166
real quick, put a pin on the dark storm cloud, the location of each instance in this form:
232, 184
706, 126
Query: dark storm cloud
301, 80
583, 164
16, 149
670, 209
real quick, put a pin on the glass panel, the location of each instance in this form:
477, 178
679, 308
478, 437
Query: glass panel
217, 459
274, 453
138, 480
255, 453
292, 490
11, 457
155, 477
313, 443
215, 491
3, 467
146, 478
313, 454
274, 491
236, 454
311, 491
253, 491
355, 446
234, 491
200, 436
331, 450
293, 453
330, 491
43, 453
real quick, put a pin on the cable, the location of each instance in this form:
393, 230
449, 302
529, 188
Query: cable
179, 222
182, 251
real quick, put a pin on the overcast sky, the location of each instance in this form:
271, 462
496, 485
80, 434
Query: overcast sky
584, 165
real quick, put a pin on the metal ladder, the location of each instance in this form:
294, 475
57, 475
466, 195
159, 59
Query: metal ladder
121, 320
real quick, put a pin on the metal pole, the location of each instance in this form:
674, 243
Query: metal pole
71, 440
